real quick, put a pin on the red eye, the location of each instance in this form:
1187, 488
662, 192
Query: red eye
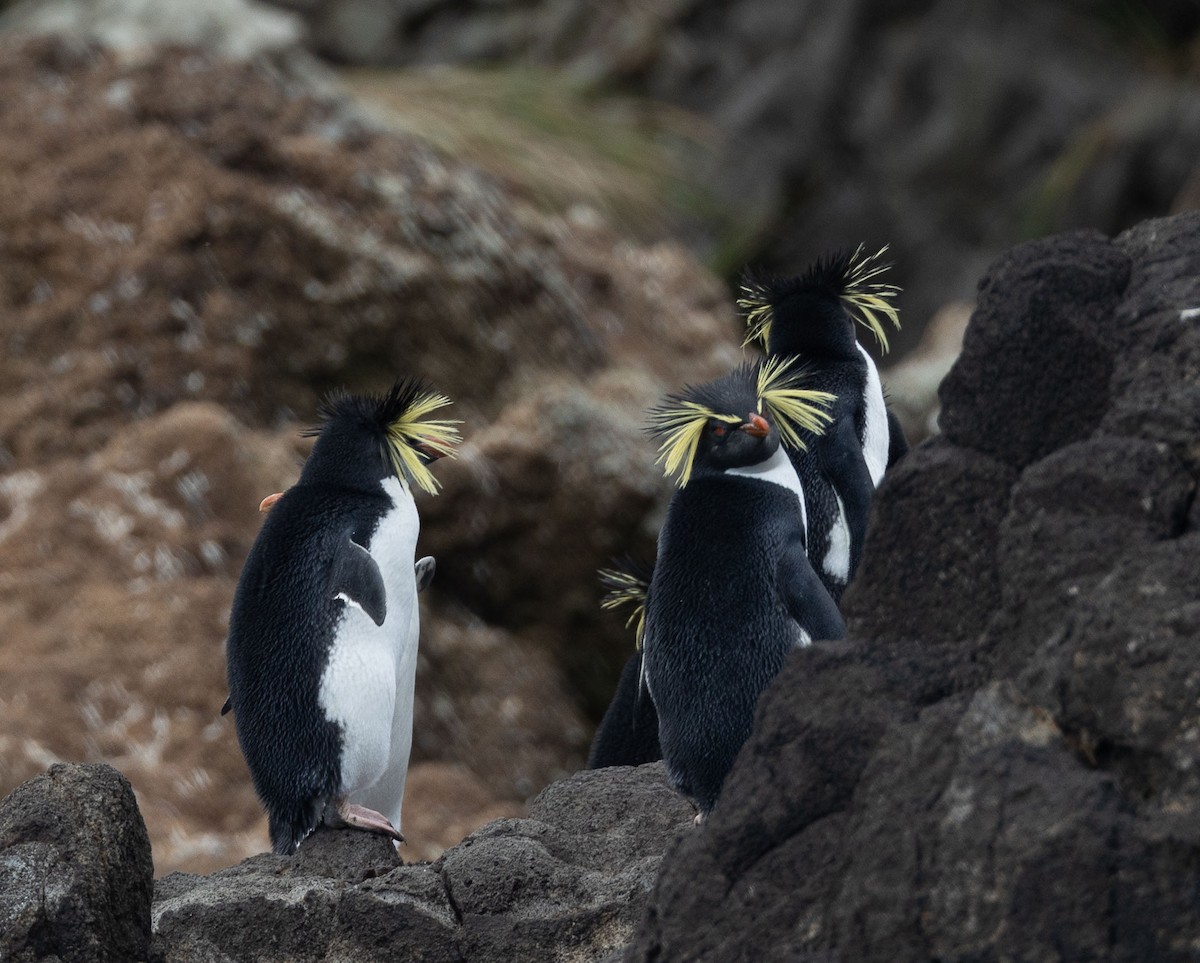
719, 431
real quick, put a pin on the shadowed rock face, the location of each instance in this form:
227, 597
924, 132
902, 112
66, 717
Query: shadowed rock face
1000, 761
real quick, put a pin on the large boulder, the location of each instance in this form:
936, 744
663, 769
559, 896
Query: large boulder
1000, 760
75, 870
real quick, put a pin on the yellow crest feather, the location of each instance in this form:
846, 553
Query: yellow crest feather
792, 408
411, 430
626, 589
870, 301
758, 315
683, 425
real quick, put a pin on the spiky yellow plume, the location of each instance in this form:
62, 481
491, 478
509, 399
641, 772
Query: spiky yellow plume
852, 278
753, 300
682, 425
411, 430
870, 301
791, 407
771, 387
626, 589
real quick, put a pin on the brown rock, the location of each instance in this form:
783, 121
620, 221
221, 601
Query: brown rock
192, 252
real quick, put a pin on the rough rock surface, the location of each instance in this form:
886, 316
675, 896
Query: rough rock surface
568, 882
1000, 761
75, 870
191, 252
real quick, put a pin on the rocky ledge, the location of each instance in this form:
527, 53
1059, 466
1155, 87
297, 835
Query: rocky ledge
999, 763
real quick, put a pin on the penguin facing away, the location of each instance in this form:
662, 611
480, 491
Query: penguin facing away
733, 591
628, 733
812, 317
323, 630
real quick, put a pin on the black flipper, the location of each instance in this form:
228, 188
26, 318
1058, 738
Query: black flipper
806, 598
424, 570
356, 575
897, 443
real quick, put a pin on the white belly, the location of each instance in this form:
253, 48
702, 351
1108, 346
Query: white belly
876, 436
368, 685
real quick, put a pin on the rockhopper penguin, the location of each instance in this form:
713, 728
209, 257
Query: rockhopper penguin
628, 733
732, 591
812, 317
322, 643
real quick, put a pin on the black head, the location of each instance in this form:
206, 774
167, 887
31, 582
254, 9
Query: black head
736, 421
363, 439
814, 313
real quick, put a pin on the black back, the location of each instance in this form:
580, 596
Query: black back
281, 629
731, 586
628, 733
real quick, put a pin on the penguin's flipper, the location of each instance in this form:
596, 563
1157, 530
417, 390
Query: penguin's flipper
897, 443
806, 598
841, 458
355, 578
425, 569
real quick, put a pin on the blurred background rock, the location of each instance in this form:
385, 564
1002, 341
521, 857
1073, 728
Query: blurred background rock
215, 212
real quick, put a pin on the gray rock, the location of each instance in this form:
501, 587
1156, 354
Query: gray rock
75, 869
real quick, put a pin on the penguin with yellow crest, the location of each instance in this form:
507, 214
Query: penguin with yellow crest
812, 317
322, 646
733, 591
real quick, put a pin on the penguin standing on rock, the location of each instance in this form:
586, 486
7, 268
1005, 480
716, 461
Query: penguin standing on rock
812, 317
322, 645
732, 591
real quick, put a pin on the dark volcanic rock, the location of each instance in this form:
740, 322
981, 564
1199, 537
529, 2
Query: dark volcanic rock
1000, 762
75, 870
570, 881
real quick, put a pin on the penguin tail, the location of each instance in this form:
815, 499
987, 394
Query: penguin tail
289, 827
845, 277
628, 583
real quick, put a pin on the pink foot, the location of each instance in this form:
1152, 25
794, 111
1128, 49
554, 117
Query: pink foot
698, 819
359, 817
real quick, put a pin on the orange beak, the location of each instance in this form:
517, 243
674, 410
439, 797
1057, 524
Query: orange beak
266, 503
756, 425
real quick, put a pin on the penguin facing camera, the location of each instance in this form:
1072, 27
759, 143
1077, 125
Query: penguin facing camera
733, 591
322, 644
812, 317
628, 733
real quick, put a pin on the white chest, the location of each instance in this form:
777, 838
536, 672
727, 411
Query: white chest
369, 679
777, 470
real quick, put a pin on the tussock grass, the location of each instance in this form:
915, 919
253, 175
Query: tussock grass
558, 142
